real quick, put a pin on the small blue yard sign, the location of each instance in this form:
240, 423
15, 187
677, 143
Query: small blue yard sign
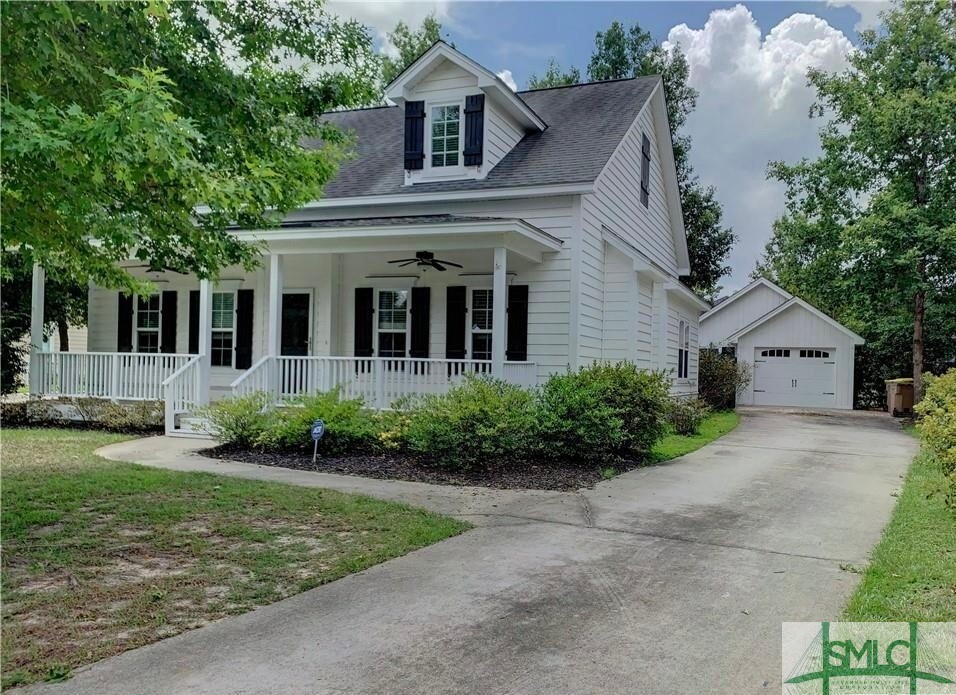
318, 430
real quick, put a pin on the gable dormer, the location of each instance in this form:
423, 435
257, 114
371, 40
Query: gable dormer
460, 118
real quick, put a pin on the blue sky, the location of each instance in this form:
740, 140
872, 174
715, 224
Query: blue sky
747, 60
521, 36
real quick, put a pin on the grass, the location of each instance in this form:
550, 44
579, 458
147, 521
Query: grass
100, 557
912, 573
715, 425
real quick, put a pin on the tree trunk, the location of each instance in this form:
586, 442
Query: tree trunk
64, 331
919, 310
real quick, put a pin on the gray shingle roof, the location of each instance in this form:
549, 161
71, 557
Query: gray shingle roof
585, 124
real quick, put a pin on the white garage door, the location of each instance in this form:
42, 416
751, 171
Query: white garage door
804, 377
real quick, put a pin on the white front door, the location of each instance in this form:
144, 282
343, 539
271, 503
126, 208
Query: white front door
803, 377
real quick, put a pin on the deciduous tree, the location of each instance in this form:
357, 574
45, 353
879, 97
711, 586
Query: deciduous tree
554, 76
409, 44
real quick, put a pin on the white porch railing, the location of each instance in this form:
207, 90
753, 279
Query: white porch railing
116, 375
378, 381
181, 392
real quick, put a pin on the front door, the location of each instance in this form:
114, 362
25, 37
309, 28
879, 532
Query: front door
296, 323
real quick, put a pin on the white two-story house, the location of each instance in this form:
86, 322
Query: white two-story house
476, 229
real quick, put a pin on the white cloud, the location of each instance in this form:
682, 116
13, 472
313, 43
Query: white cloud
869, 11
753, 108
506, 77
382, 16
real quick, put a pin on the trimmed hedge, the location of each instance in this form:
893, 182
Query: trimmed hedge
937, 425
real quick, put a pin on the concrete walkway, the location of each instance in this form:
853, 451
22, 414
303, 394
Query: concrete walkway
671, 579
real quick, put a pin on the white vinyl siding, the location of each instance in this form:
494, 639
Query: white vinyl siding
619, 339
679, 312
502, 133
716, 328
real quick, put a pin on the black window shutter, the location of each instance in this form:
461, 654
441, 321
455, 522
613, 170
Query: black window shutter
124, 323
364, 313
517, 348
193, 322
167, 328
414, 134
474, 129
645, 169
421, 318
456, 322
244, 305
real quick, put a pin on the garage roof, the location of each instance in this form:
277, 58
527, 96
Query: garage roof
786, 306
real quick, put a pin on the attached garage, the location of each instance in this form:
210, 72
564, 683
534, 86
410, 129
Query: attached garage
800, 356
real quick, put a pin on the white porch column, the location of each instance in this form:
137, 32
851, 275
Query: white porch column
274, 313
36, 326
499, 312
205, 339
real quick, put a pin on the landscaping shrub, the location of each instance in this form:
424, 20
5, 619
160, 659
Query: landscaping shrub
720, 379
482, 421
349, 427
137, 417
639, 399
687, 414
576, 422
240, 421
937, 425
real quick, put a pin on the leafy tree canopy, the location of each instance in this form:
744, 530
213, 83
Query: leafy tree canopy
410, 44
870, 230
145, 129
554, 76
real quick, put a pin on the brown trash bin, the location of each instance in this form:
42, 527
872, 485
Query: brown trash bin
899, 397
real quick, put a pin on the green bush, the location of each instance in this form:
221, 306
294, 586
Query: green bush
480, 422
576, 422
687, 414
590, 401
349, 427
937, 424
87, 413
720, 379
239, 421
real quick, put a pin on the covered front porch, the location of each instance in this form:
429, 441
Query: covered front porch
327, 308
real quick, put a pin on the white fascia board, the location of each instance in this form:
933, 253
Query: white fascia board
786, 306
515, 235
686, 294
579, 188
759, 282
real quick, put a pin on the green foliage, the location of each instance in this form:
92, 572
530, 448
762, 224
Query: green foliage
937, 425
575, 421
554, 77
240, 421
410, 44
120, 120
687, 415
715, 425
349, 427
137, 417
870, 230
640, 399
720, 379
481, 422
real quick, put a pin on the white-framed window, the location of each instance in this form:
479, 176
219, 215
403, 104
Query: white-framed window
147, 323
391, 322
445, 137
482, 322
223, 328
683, 349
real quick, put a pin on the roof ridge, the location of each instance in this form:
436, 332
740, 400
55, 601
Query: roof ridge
588, 84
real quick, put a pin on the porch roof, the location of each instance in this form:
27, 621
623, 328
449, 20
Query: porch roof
405, 233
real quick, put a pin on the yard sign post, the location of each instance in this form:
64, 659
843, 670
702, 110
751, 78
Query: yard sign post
318, 431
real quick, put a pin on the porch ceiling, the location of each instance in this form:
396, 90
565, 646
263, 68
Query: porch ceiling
406, 233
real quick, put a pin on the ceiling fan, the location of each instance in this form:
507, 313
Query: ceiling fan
426, 259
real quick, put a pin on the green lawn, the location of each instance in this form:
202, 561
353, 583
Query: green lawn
714, 426
912, 574
100, 557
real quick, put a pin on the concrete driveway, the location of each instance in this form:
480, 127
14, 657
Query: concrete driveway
672, 579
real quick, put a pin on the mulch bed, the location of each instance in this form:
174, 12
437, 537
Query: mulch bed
509, 475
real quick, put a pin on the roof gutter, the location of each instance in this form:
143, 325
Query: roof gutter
582, 187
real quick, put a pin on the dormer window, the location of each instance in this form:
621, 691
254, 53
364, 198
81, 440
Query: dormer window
446, 135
